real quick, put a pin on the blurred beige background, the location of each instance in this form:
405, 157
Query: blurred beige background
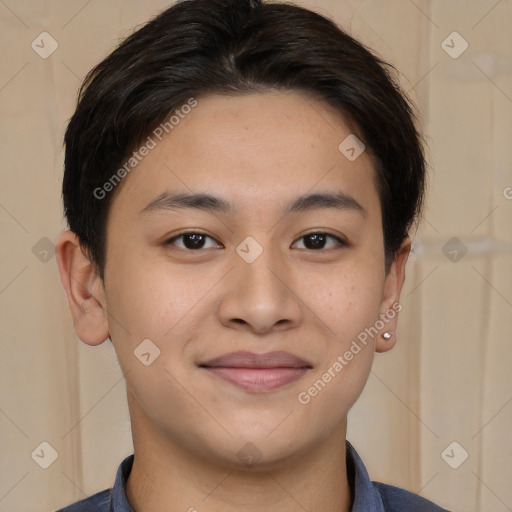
448, 380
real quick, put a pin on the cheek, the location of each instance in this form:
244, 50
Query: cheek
351, 307
348, 302
150, 298
147, 302
326, 399
347, 298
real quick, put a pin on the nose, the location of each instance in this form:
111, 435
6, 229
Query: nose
260, 296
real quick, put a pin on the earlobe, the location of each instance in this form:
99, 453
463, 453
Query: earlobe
390, 305
84, 290
386, 341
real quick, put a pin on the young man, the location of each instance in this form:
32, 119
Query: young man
239, 183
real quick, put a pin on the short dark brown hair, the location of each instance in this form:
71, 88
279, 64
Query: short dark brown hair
197, 47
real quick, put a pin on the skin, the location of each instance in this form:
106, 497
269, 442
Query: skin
259, 152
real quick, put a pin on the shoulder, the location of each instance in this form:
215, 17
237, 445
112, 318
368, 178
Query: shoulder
99, 502
109, 499
396, 499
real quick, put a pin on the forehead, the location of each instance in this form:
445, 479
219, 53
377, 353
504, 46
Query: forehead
258, 150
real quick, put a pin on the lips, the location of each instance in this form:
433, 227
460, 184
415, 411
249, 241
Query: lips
257, 372
252, 360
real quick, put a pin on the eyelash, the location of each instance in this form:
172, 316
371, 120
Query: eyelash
340, 241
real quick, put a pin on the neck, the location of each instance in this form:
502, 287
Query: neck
167, 477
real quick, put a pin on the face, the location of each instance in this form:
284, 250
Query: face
253, 297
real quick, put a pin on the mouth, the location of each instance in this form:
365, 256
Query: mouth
257, 372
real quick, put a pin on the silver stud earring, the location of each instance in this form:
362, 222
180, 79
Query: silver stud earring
386, 335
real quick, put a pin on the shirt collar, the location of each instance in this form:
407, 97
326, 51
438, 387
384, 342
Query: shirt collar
365, 497
120, 501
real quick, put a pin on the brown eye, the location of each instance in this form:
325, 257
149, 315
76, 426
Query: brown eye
317, 241
192, 241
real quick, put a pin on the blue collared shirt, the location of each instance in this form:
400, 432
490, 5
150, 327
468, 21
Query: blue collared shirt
368, 496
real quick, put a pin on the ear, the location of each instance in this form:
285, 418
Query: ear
390, 305
84, 288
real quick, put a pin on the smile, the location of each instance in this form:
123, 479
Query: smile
257, 372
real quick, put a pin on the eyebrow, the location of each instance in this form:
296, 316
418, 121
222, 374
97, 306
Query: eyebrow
208, 202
